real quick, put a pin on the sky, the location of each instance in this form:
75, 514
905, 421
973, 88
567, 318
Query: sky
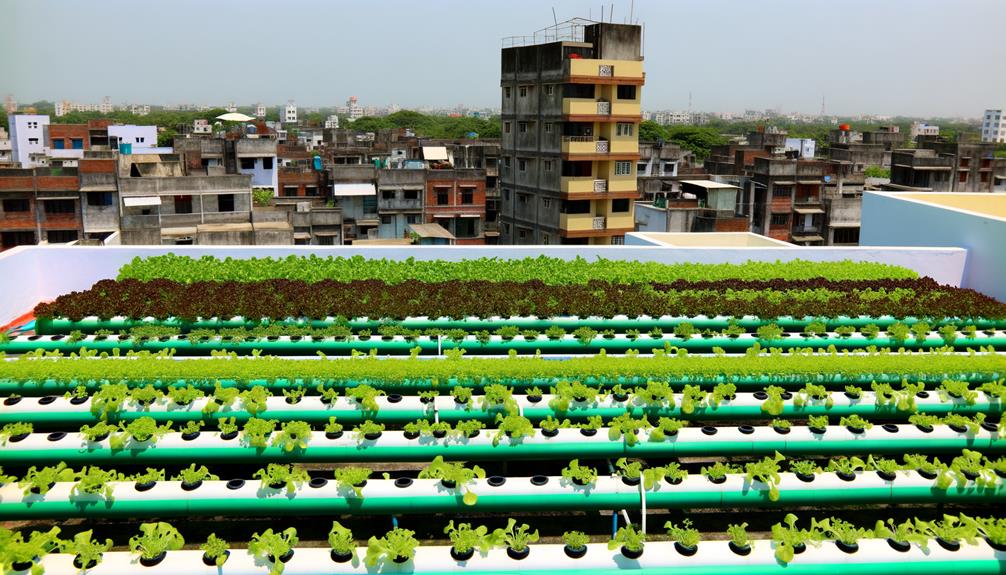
927, 58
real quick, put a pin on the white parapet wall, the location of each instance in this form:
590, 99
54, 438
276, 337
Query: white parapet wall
32, 274
976, 222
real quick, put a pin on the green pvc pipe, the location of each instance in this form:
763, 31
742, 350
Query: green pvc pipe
743, 383
426, 452
584, 499
54, 418
309, 346
49, 326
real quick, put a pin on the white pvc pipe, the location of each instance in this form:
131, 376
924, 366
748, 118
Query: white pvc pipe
316, 561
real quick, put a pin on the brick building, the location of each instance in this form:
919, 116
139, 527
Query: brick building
456, 199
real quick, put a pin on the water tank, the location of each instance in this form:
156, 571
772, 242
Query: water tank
125, 148
844, 127
317, 163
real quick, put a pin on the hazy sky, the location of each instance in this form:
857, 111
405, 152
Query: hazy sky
911, 57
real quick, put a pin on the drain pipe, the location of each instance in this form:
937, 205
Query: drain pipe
625, 514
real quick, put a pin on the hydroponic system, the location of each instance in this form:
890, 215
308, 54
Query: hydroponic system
317, 415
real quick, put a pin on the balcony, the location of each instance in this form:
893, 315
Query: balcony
600, 149
600, 110
590, 70
583, 185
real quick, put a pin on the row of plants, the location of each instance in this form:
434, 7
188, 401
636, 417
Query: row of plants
281, 299
556, 271
398, 546
794, 366
566, 398
970, 466
897, 332
295, 436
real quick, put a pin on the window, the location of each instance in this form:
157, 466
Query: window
617, 240
546, 203
247, 163
140, 139
58, 144
506, 195
386, 219
623, 168
59, 206
183, 204
506, 127
506, 228
77, 143
624, 129
962, 177
442, 197
506, 92
620, 205
522, 127
99, 198
506, 162
846, 236
521, 234
522, 199
467, 196
266, 163
783, 192
547, 164
311, 190
387, 194
33, 140
521, 165
61, 236
548, 127
412, 218
33, 125
411, 194
523, 91
225, 203
626, 93
575, 206
545, 239
289, 191
780, 219
16, 205
466, 227
549, 89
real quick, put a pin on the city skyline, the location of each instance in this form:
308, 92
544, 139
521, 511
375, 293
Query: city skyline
785, 54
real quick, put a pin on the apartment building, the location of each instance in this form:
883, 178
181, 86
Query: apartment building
39, 204
939, 165
6, 157
456, 200
27, 137
994, 126
570, 114
290, 113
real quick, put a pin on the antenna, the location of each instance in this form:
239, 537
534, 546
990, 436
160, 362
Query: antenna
611, 13
554, 19
822, 104
632, 9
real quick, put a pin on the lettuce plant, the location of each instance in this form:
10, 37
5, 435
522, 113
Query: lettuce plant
684, 533
293, 436
216, 549
95, 481
453, 473
739, 535
256, 431
398, 545
276, 475
516, 538
575, 539
352, 478
272, 546
14, 548
578, 474
340, 539
193, 475
513, 426
87, 551
465, 538
40, 480
154, 539
627, 428
139, 430
765, 471
629, 538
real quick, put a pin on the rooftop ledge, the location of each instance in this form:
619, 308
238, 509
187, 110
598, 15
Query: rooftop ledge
31, 274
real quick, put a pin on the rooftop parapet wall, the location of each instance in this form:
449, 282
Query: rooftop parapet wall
31, 274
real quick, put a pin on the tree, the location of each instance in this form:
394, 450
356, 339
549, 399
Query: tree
650, 131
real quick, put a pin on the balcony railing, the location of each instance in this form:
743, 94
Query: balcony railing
601, 147
598, 223
578, 138
600, 186
603, 108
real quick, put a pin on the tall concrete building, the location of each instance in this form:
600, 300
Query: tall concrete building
571, 114
994, 126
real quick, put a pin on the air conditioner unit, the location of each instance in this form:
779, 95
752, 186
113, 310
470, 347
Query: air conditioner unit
303, 206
